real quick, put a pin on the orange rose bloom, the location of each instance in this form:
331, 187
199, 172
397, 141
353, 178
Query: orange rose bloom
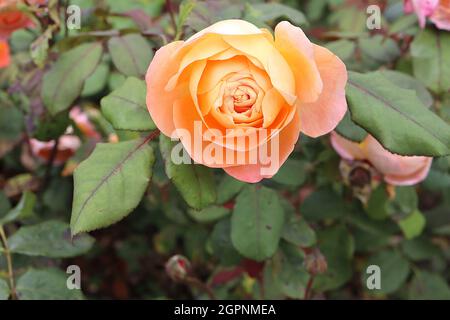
246, 91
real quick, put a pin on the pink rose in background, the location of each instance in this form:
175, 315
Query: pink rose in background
396, 170
437, 10
68, 143
83, 123
67, 147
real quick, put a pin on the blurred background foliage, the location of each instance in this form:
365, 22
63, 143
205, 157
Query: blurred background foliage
323, 236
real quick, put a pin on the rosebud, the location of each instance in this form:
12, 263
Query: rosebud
315, 263
178, 267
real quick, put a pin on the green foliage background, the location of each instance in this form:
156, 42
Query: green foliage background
302, 234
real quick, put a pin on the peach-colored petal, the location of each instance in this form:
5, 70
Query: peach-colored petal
216, 70
159, 101
271, 106
227, 27
185, 119
299, 53
5, 59
412, 179
203, 49
252, 173
322, 116
392, 164
347, 149
274, 63
82, 121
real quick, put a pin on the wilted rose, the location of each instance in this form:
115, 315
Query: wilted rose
396, 169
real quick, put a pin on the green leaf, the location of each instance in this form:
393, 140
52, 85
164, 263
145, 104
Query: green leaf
39, 48
292, 173
221, 244
131, 54
298, 232
49, 239
344, 49
97, 81
45, 284
394, 270
428, 286
323, 204
337, 245
11, 121
185, 10
413, 225
292, 276
405, 81
257, 222
377, 206
194, 182
110, 183
419, 249
350, 130
64, 82
271, 11
228, 188
406, 200
125, 107
431, 61
4, 290
23, 210
209, 214
379, 49
396, 117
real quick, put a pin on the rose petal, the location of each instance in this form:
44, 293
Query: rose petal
347, 149
160, 102
392, 164
252, 173
411, 179
274, 63
322, 116
298, 51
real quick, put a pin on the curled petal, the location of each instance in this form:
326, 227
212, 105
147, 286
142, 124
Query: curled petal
347, 149
160, 102
393, 164
322, 116
298, 51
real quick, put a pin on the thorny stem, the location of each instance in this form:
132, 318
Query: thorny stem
7, 254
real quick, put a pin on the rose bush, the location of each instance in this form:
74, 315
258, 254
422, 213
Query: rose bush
238, 80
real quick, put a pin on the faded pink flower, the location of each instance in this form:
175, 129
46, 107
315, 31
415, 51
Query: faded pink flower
396, 170
437, 10
83, 123
67, 147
